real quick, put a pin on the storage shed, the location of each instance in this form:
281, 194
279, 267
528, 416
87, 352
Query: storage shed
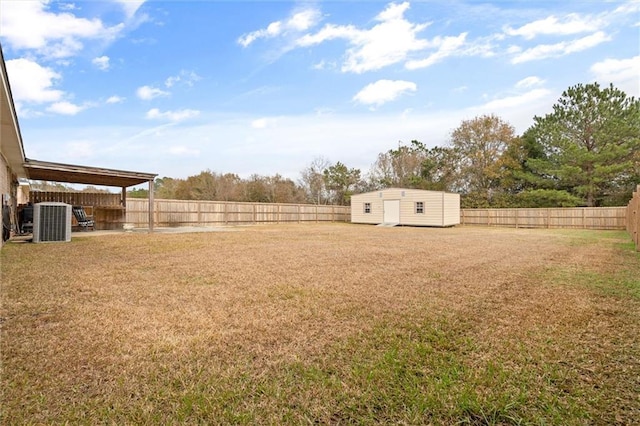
397, 206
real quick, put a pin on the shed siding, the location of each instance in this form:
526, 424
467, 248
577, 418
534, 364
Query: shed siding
451, 214
357, 208
440, 208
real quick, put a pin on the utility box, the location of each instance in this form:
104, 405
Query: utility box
51, 222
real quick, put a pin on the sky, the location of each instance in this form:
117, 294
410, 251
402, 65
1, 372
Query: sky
266, 87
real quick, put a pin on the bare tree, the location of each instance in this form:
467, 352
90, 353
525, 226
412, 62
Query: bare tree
312, 181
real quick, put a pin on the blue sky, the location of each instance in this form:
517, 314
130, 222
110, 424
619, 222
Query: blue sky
178, 87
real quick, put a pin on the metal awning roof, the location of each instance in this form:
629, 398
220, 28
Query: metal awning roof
58, 172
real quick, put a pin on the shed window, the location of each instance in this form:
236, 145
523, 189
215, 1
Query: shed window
419, 207
367, 207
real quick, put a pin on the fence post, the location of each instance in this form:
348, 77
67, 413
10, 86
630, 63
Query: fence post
633, 221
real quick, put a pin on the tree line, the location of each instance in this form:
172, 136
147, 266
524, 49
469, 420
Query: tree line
586, 152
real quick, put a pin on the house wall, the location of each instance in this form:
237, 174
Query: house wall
5, 180
440, 208
7, 177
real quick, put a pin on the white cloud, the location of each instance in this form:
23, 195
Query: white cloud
185, 77
31, 82
544, 51
115, 99
29, 25
303, 20
68, 6
65, 108
623, 73
130, 7
101, 62
515, 100
447, 46
527, 82
260, 123
183, 151
383, 91
323, 65
386, 43
147, 93
571, 24
298, 22
173, 116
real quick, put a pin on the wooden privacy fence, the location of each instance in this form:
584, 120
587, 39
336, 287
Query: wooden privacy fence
633, 218
570, 218
76, 198
211, 213
106, 208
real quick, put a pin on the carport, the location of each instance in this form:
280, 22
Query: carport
69, 173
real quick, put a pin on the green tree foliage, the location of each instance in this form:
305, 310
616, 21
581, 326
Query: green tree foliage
165, 188
482, 145
439, 170
546, 198
138, 193
42, 185
414, 166
590, 145
272, 189
341, 182
208, 185
401, 167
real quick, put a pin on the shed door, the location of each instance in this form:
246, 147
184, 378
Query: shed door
391, 211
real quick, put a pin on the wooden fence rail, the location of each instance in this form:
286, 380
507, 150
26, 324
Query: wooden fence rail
633, 218
568, 218
211, 213
76, 198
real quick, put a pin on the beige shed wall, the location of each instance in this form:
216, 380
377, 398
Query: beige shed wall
357, 208
451, 214
433, 215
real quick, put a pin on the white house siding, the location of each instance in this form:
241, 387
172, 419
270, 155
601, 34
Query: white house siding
440, 208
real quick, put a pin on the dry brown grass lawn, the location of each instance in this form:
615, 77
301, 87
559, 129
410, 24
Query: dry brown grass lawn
323, 323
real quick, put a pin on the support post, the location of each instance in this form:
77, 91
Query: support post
123, 199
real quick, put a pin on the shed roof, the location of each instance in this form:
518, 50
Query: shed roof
58, 172
394, 189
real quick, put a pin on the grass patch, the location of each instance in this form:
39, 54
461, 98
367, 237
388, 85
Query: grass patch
322, 324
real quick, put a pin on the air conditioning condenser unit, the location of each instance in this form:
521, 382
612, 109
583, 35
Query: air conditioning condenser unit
51, 222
